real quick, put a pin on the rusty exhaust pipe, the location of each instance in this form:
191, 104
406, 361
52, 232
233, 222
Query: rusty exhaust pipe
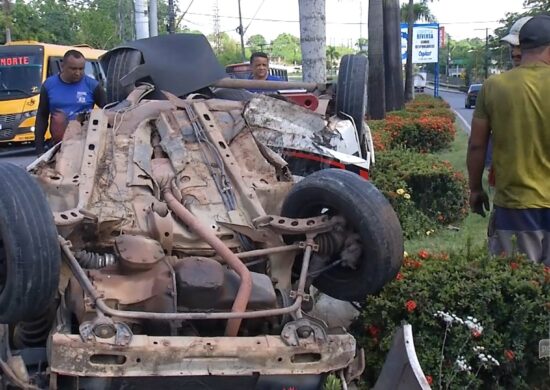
245, 288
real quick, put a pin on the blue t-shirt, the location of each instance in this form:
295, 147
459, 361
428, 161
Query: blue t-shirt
269, 78
70, 98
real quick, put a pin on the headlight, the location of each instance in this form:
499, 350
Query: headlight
28, 114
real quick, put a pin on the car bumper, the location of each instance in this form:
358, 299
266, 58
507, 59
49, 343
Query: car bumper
197, 356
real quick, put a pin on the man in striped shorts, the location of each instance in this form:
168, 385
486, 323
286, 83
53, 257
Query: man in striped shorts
514, 108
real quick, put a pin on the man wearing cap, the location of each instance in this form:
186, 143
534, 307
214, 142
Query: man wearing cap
513, 39
515, 55
514, 108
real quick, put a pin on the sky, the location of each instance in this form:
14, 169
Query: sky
346, 19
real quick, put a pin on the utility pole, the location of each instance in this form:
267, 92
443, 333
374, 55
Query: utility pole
240, 30
7, 12
153, 18
171, 18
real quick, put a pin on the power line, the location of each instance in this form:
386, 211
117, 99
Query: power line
338, 23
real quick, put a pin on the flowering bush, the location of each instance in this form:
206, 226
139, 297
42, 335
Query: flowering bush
477, 321
426, 125
437, 190
425, 134
424, 102
414, 222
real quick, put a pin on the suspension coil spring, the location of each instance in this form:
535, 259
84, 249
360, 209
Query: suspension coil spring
329, 243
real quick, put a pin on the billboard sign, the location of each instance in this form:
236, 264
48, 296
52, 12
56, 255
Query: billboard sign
425, 43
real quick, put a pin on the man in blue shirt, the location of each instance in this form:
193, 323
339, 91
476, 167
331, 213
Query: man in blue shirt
64, 96
259, 62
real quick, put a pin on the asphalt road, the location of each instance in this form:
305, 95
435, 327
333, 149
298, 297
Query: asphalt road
456, 100
20, 155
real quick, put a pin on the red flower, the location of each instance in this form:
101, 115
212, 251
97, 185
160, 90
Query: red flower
399, 276
410, 305
514, 265
423, 254
429, 379
509, 355
373, 330
476, 334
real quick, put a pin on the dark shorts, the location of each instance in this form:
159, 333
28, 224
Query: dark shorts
524, 231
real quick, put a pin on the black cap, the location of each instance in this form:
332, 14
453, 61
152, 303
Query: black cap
535, 33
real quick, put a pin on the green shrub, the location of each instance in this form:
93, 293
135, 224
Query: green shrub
422, 102
503, 306
436, 189
425, 134
425, 127
414, 222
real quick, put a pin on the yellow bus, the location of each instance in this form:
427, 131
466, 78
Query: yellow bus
24, 65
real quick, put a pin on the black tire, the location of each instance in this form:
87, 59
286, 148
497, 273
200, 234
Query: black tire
351, 90
122, 62
29, 250
368, 213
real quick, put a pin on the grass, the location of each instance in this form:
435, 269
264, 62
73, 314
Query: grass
473, 230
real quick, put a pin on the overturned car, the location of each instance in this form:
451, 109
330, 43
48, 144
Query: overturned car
166, 240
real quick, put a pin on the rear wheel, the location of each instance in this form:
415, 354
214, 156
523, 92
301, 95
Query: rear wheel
29, 250
372, 235
351, 91
122, 62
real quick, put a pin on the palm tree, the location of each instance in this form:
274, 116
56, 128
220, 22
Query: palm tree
421, 11
392, 56
332, 56
376, 86
312, 40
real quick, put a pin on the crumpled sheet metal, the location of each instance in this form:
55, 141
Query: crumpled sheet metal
280, 124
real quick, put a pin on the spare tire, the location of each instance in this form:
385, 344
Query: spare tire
368, 215
29, 251
121, 62
351, 91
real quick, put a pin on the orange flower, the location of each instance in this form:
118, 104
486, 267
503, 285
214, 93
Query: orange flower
423, 254
399, 276
509, 355
410, 305
429, 379
514, 265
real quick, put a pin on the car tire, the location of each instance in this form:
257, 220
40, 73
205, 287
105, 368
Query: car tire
368, 213
351, 91
29, 250
122, 62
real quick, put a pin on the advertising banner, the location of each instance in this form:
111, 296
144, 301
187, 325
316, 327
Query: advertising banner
425, 48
